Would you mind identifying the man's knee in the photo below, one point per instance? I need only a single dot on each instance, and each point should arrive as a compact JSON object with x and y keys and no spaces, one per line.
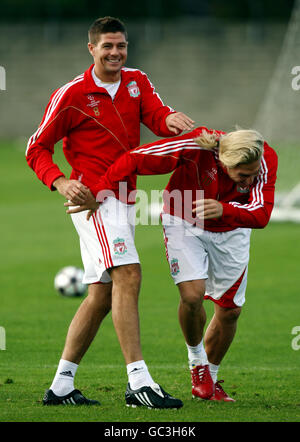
{"x":192,"y":293}
{"x":129,"y":275}
{"x":99,"y":295}
{"x":229,"y":315}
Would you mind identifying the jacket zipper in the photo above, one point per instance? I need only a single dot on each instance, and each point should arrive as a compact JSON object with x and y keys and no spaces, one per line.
{"x":121,"y":121}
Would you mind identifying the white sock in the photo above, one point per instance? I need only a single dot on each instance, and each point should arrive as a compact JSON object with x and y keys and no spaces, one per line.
{"x":63,"y":382}
{"x":138,"y":375}
{"x":196,"y":355}
{"x":214,"y":371}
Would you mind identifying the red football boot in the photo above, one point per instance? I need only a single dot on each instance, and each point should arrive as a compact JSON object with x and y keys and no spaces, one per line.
{"x":220,"y":394}
{"x":202,"y":383}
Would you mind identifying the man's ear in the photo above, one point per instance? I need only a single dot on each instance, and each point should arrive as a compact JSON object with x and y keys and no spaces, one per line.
{"x":91,"y":48}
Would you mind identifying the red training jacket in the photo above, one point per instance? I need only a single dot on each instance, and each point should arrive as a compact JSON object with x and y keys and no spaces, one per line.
{"x":200,"y":169}
{"x":95,"y":130}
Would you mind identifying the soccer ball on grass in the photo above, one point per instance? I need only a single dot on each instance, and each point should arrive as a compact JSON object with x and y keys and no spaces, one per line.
{"x":68,"y":281}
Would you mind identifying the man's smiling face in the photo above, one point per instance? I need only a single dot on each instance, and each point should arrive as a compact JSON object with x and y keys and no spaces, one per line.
{"x":245,"y":174}
{"x":110,"y":54}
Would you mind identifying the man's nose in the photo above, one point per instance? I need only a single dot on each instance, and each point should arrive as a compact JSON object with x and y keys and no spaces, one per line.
{"x":249,"y":180}
{"x":114,"y":50}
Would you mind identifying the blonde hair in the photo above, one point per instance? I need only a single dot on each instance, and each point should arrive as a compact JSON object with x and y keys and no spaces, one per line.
{"x":241,"y":146}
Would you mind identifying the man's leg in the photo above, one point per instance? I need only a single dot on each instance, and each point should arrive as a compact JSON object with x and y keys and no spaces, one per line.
{"x":141,"y":389}
{"x":121,"y":296}
{"x":81,"y":333}
{"x":192,"y":318}
{"x":220,"y":333}
{"x":125,"y":292}
{"x":191,"y":313}
{"x":218,"y":338}
{"x":86,"y":321}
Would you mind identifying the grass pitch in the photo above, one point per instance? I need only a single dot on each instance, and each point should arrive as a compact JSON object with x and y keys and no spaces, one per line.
{"x":261,"y":370}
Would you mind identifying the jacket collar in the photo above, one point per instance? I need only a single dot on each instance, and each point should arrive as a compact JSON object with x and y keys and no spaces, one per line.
{"x":90,"y":86}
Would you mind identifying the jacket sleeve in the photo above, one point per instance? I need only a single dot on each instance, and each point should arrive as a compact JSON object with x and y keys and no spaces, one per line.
{"x":257,"y":212}
{"x":153,"y":110}
{"x":54,"y":126}
{"x":157,"y":158}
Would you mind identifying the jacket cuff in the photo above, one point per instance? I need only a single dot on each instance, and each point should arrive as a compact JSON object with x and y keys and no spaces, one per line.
{"x":228,"y":212}
{"x":50,"y":177}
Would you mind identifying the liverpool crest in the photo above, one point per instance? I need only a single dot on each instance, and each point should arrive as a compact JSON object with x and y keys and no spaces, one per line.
{"x":133,"y":89}
{"x":119,"y":246}
{"x":242,"y":189}
{"x":174,"y":266}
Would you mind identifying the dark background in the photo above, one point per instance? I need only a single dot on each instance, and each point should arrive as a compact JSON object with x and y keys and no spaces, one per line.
{"x":264,"y":10}
{"x":223,"y":62}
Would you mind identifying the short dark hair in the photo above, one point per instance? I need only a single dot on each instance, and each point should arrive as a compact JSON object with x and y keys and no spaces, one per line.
{"x":103,"y":26}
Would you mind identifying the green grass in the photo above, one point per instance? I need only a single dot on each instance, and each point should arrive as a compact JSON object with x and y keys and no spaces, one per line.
{"x":261,"y":369}
{"x":288,"y":165}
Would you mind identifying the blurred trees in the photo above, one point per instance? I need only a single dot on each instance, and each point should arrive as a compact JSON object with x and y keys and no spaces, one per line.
{"x":20,"y":10}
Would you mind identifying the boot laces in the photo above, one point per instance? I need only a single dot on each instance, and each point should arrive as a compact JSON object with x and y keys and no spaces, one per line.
{"x":199,"y":374}
{"x":219,"y":387}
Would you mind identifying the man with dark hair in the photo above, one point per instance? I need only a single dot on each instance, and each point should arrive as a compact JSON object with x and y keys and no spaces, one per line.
{"x":105,"y":25}
{"x":98,"y":116}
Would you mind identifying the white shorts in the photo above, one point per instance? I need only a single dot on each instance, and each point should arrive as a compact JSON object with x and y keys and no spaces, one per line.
{"x":107,"y":239}
{"x":221,"y":258}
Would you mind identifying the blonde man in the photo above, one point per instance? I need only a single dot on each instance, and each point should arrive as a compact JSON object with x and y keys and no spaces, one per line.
{"x":226,"y":184}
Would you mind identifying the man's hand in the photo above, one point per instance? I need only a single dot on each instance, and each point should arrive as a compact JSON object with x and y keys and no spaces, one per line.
{"x":208,"y":209}
{"x":178,"y":121}
{"x":78,"y":195}
{"x":72,"y":190}
{"x":89,"y":204}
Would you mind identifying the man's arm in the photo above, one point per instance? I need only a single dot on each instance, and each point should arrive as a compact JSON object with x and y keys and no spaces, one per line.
{"x":157,"y":158}
{"x":40,"y":148}
{"x":54,"y":126}
{"x":160,"y":157}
